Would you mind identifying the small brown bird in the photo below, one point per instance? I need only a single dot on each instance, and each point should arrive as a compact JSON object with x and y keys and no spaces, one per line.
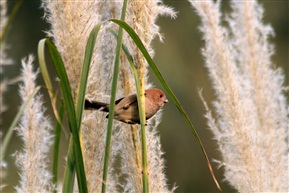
{"x":126,"y":108}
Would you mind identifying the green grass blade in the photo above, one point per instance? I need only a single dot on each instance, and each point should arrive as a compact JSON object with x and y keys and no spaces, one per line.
{"x":141,"y":113}
{"x":112,"y":101}
{"x":9,"y":133}
{"x":141,"y":104}
{"x":69,"y":173}
{"x":46,"y":77}
{"x":156,"y":71}
{"x":70,"y":169}
{"x":11,"y":17}
{"x":56,"y":147}
{"x":85,"y":70}
{"x":70,"y":111}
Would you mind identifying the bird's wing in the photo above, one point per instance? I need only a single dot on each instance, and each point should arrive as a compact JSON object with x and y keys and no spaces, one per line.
{"x":126,"y":102}
{"x":118,"y":100}
{"x":132,"y":100}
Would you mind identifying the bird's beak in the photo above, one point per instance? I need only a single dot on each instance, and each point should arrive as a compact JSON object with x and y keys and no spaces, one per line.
{"x":166,"y":101}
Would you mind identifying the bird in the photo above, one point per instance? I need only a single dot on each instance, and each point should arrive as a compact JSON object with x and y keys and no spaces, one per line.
{"x":126,"y":108}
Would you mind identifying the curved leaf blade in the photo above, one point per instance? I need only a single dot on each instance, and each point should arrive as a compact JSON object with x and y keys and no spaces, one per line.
{"x":70,"y":111}
{"x":9,"y":133}
{"x":158,"y":74}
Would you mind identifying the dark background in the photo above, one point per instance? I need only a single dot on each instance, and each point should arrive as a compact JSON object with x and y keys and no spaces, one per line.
{"x":180,"y":61}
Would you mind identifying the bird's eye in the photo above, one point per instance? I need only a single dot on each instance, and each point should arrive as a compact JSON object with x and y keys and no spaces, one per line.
{"x":161,"y":96}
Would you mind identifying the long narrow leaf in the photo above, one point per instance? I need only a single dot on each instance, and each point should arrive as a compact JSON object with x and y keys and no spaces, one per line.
{"x":11,"y":17}
{"x":137,"y":82}
{"x":70,"y":111}
{"x":85,"y":70}
{"x":68,"y":181}
{"x":46,"y":77}
{"x":69,"y":172}
{"x":156,"y":71}
{"x":3,"y":34}
{"x":9,"y":133}
{"x":112,"y":101}
{"x":56,"y":147}
{"x":142,"y":118}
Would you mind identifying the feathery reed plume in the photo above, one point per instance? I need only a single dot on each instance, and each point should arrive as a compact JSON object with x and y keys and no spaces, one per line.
{"x":4,"y":60}
{"x":70,"y":38}
{"x":3,"y":14}
{"x":34,"y":129}
{"x":252,"y":121}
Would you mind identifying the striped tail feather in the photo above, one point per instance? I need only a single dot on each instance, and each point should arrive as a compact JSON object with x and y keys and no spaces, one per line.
{"x":95,"y":105}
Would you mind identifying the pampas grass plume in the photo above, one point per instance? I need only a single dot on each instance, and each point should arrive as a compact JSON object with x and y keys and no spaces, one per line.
{"x":34,"y":130}
{"x":251,"y":121}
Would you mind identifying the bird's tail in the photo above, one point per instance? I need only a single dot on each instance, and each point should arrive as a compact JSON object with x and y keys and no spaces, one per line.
{"x":91,"y":105}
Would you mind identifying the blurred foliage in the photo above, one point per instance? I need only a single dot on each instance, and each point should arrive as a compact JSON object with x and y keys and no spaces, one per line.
{"x":180,"y":61}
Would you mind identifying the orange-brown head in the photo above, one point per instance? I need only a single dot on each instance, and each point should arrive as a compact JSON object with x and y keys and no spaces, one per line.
{"x":155,"y":99}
